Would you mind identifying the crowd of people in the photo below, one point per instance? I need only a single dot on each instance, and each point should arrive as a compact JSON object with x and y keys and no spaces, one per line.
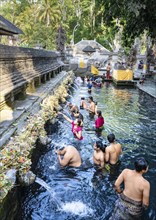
{"x":134,"y":197}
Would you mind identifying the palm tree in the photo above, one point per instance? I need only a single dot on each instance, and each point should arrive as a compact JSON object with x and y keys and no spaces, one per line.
{"x":48,"y":11}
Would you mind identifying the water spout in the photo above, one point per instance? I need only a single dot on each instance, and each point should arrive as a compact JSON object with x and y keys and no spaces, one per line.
{"x":76,"y":86}
{"x":27,"y":179}
{"x":70,"y":96}
{"x":73,"y":88}
{"x":50,"y":190}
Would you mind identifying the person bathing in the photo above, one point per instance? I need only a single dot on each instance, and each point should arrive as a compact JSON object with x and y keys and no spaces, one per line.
{"x":134,"y":198}
{"x":68,"y":156}
{"x":91,"y":108}
{"x":99,"y":154}
{"x":113,"y":151}
{"x":99,"y":121}
{"x":76,"y":126}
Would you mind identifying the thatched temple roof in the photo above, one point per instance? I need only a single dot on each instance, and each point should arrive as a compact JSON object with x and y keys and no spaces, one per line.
{"x":7,"y":28}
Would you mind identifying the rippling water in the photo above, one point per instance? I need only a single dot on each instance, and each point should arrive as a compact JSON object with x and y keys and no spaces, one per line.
{"x":85,"y":193}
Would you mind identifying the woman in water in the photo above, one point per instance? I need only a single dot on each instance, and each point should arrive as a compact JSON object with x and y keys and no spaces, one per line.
{"x":99,"y":121}
{"x":76,"y":126}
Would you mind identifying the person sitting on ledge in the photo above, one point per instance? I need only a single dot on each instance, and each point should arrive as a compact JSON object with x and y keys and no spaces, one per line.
{"x":113,"y":151}
{"x":76,"y":126}
{"x":68,"y":156}
{"x":135,"y":196}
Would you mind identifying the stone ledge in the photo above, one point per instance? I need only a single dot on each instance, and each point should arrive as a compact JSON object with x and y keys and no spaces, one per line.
{"x":28,"y":107}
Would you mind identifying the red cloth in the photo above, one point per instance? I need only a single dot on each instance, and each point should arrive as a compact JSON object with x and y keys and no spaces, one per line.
{"x":77,"y":130}
{"x":99,"y":122}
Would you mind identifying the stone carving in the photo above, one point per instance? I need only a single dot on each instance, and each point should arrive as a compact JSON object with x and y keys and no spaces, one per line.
{"x":27,"y":179}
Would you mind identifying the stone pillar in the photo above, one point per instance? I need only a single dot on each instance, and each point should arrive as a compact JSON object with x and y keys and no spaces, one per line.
{"x":8,"y":102}
{"x":31,"y":87}
{"x":54,"y":73}
{"x":37,"y":81}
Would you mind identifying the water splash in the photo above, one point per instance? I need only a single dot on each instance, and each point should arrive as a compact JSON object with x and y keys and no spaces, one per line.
{"x":77,"y":208}
{"x":74,"y":207}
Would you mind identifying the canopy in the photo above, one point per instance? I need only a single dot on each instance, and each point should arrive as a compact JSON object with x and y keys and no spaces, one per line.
{"x":7,"y":28}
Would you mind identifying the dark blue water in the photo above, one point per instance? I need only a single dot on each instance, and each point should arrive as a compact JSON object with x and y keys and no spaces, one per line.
{"x":85,"y":193}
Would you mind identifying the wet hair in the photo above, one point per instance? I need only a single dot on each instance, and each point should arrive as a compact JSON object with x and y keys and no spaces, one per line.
{"x":61,"y":148}
{"x":70,"y":104}
{"x":140,"y":164}
{"x":99,"y":113}
{"x":91,"y":98}
{"x":79,"y":122}
{"x":101,"y":146}
{"x":111,"y":138}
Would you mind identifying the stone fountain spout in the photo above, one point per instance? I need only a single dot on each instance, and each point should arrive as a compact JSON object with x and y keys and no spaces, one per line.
{"x":27,"y":179}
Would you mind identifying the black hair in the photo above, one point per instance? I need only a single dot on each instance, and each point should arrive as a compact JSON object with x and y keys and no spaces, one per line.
{"x":79,"y":122}
{"x":101,"y":146}
{"x":91,"y":98}
{"x":82,"y":98}
{"x":99,"y":113}
{"x":111,"y":138}
{"x":140,"y":164}
{"x":61,"y":148}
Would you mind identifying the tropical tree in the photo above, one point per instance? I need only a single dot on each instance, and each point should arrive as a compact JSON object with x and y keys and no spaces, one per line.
{"x":136,"y":16}
{"x":48,"y":11}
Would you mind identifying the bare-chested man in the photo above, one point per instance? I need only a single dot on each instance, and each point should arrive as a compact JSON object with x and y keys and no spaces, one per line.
{"x":91,"y":107}
{"x":99,"y":154}
{"x":135,"y":196}
{"x":69,"y":156}
{"x":113,"y":151}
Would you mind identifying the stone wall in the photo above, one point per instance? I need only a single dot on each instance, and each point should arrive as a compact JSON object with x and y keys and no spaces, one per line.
{"x":22,"y":70}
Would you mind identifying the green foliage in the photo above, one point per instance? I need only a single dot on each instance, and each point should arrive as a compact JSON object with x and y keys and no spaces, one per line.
{"x":135,"y":17}
{"x":98,"y":19}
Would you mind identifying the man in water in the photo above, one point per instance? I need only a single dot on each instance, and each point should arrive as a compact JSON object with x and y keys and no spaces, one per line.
{"x":69,"y":156}
{"x":91,"y":107}
{"x":99,"y":154}
{"x":135,"y":196}
{"x":113,"y":151}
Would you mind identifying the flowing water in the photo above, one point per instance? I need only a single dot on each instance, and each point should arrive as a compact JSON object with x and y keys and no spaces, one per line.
{"x":85,"y":193}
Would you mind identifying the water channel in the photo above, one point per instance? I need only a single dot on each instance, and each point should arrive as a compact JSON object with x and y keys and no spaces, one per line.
{"x":85,"y":193}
